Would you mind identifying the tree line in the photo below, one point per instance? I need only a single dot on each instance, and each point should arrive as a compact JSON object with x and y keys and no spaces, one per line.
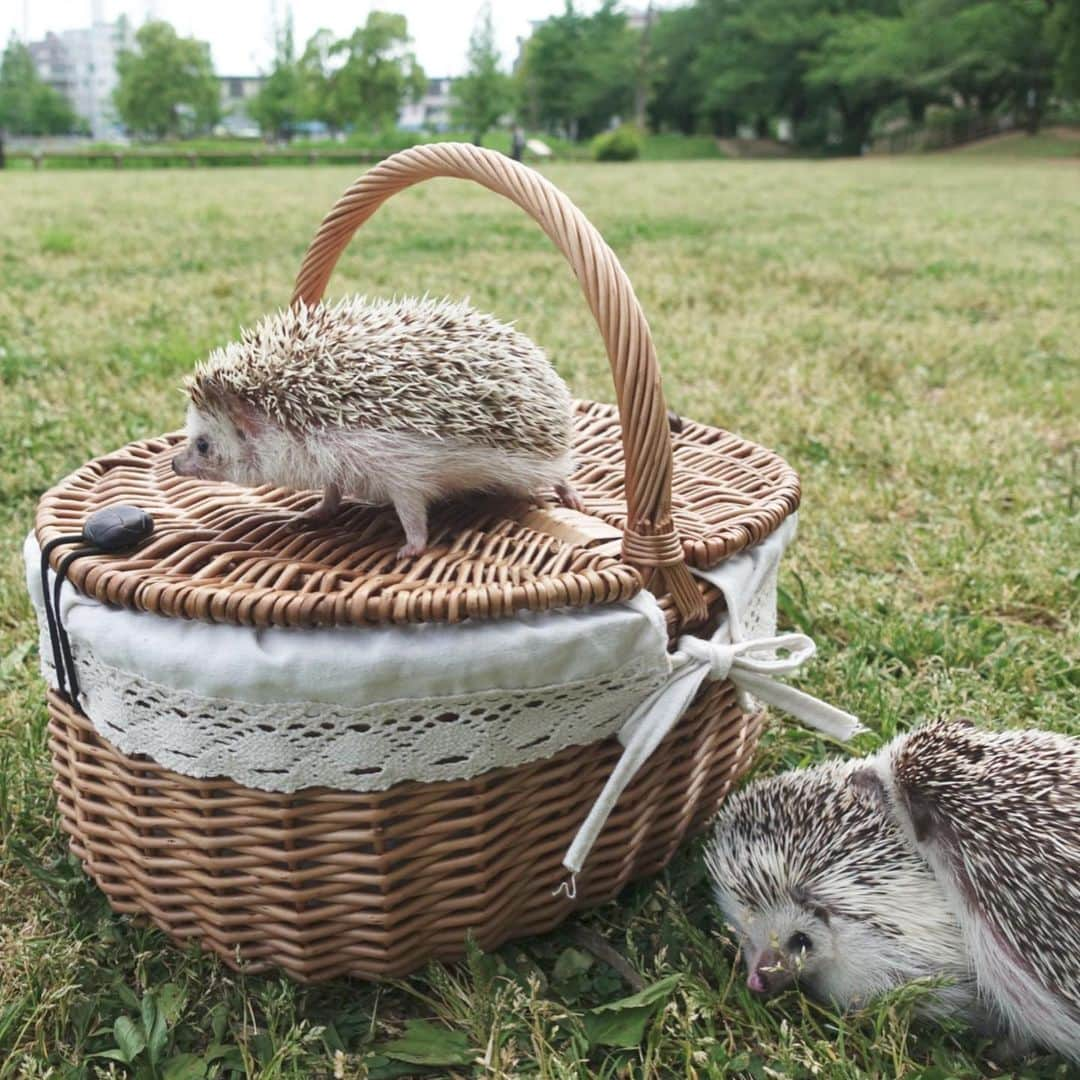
{"x":829,"y":69}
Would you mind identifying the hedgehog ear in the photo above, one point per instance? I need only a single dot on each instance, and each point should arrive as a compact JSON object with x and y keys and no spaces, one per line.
{"x":247,"y":419}
{"x":869,"y":787}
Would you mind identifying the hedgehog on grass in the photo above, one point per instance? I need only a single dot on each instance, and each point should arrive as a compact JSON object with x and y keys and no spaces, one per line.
{"x":400,"y":402}
{"x":822,"y":888}
{"x":997,"y":818}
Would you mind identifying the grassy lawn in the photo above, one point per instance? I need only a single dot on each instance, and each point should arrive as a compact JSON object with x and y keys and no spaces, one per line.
{"x":906,"y":333}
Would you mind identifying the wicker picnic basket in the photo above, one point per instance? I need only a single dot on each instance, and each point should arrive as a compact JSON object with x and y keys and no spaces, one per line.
{"x":323,"y":881}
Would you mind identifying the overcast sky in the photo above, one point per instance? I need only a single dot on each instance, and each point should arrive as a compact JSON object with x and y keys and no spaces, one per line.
{"x":240,"y":31}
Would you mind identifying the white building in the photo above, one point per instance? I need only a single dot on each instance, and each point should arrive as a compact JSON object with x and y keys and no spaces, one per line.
{"x":432,"y":111}
{"x":81,"y":64}
{"x":236,"y":93}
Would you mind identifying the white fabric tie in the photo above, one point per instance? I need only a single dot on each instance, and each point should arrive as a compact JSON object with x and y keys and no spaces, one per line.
{"x":756,"y":674}
{"x":751,"y":664}
{"x":722,"y":657}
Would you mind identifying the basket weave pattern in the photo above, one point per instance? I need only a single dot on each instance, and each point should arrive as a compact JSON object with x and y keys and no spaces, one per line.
{"x":326,"y":883}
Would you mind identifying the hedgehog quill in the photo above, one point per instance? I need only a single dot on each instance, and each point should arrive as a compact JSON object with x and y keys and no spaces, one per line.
{"x":996,"y":815}
{"x":823,"y":889}
{"x":389,"y":402}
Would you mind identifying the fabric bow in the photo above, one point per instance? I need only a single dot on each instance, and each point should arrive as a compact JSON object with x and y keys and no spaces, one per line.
{"x":753,"y":666}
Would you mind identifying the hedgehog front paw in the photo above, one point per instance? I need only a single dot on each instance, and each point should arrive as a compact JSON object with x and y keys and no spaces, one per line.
{"x":411,"y":551}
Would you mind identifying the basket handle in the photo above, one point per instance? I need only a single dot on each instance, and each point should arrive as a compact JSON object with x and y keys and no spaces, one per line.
{"x":650,"y":541}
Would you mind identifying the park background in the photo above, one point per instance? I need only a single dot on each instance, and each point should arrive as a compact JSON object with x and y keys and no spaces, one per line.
{"x":898,"y":321}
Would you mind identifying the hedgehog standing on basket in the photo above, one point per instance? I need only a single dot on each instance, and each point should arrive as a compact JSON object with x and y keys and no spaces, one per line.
{"x":400,"y":402}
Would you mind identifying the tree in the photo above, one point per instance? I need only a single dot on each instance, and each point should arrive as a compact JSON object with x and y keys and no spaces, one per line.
{"x":166,"y":84}
{"x":1064,"y":35}
{"x":279,"y":103}
{"x":378,"y":72}
{"x":29,"y":106}
{"x":579,"y":71}
{"x":483,"y":94}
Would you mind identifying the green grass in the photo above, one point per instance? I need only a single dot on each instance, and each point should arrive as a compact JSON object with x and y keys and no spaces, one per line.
{"x":905,"y":332}
{"x":673,"y":147}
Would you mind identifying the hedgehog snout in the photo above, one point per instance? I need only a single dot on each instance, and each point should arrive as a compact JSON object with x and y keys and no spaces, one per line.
{"x":183,"y":463}
{"x":768,"y":973}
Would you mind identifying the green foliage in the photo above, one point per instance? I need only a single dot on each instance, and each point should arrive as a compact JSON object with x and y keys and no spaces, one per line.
{"x":166,"y":83}
{"x":279,"y":102}
{"x":676,"y":83}
{"x":426,"y":1044}
{"x":147,"y":1044}
{"x":484,"y":93}
{"x":29,"y":106}
{"x":924,"y":310}
{"x":1063,"y":33}
{"x":377,"y":72}
{"x":832,"y":68}
{"x":579,"y":70}
{"x":622,"y":144}
{"x":622,"y":1022}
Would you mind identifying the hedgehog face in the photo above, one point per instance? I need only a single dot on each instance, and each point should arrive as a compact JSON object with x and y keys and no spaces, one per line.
{"x":215,"y":449}
{"x":782,"y":944}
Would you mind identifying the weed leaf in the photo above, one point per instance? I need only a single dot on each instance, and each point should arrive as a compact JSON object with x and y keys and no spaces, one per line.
{"x":129,"y":1037}
{"x":622,"y":1023}
{"x":184,"y":1067}
{"x":571,"y":962}
{"x":428,"y":1044}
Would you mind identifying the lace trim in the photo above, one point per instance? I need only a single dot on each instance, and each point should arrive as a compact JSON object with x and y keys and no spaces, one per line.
{"x":288,"y":746}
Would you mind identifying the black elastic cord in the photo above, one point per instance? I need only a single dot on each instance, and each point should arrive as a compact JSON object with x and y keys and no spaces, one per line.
{"x":65,"y":643}
{"x":52,"y":615}
{"x":108,"y":531}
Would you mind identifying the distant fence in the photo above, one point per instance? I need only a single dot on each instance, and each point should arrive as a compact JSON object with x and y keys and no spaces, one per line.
{"x":942,"y":136}
{"x":179,"y":158}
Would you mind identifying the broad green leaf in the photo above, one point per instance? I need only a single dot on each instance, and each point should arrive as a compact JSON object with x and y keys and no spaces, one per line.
{"x":148,"y":1011}
{"x":262,"y":1046}
{"x":571,"y":962}
{"x":219,"y":1020}
{"x":622,"y":1023}
{"x":228,"y":1056}
{"x":331,"y":1038}
{"x":382,"y":1068}
{"x":157,"y":1037}
{"x":184,"y":1067}
{"x":129,"y":1037}
{"x":112,"y":1055}
{"x":171,"y":1000}
{"x":428,"y":1044}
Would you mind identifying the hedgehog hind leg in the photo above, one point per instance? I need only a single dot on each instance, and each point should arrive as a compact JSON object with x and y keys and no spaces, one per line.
{"x":568,"y":496}
{"x":325,"y":511}
{"x":412,"y":512}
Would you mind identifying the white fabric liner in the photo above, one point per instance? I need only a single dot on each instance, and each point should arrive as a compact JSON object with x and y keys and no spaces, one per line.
{"x":361,"y":709}
{"x":355,"y":708}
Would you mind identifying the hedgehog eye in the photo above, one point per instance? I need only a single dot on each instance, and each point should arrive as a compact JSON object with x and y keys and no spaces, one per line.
{"x":202,"y":444}
{"x":799,"y":942}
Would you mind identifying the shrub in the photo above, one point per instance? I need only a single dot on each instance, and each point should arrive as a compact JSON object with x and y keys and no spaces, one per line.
{"x":622,"y":144}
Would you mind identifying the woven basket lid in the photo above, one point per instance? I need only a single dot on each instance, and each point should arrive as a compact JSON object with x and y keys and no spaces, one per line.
{"x":656,"y":501}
